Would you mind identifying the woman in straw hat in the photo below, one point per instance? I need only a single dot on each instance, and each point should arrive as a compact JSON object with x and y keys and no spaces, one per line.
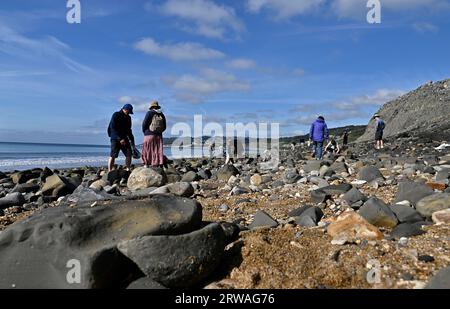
{"x":153,"y":126}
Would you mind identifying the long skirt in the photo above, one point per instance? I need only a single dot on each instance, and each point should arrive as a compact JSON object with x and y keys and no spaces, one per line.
{"x":152,"y":150}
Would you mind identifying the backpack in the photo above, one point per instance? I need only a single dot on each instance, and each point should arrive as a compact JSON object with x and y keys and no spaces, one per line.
{"x":158,"y":123}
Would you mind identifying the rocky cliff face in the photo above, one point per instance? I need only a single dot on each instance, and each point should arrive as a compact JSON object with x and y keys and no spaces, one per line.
{"x":422,"y":112}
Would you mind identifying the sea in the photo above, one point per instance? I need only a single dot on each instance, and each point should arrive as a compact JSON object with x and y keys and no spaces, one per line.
{"x":23,"y":156}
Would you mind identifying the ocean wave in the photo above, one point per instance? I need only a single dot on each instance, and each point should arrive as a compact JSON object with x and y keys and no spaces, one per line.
{"x":56,"y":162}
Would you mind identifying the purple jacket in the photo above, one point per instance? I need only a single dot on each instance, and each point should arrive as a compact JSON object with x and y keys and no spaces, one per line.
{"x":319,"y":131}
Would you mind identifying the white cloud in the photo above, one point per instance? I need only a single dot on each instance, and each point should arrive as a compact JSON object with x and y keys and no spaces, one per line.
{"x":203,"y":17}
{"x":241,"y":64}
{"x":353,"y":9}
{"x":356,"y":9}
{"x":351,"y":108}
{"x":425,"y":27}
{"x":18,"y":45}
{"x":186,"y":51}
{"x":378,"y":98}
{"x":197,"y":89}
{"x":284,"y":8}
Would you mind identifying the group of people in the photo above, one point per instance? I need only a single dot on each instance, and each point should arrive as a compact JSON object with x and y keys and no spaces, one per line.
{"x":154,"y":124}
{"x":122,"y":138}
{"x":319,"y":136}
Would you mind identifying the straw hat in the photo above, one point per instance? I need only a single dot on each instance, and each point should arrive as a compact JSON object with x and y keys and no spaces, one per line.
{"x":155,"y":105}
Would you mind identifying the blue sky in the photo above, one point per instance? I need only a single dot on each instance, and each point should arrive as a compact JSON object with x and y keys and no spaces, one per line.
{"x":283,"y":61}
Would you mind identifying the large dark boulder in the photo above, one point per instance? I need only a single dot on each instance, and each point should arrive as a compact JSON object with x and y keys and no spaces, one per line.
{"x":12,"y":199}
{"x":38,"y":252}
{"x":376,"y":212}
{"x":263,"y":219}
{"x":179,"y":261}
{"x":354,"y":195}
{"x":226,"y":171}
{"x":310,"y":217}
{"x":369,"y":173}
{"x":406,"y":214}
{"x":337,"y":189}
{"x":412,"y":192}
{"x":441,"y":280}
{"x":26,"y":188}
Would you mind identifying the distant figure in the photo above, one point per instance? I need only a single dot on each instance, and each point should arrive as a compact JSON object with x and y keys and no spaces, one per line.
{"x":119,"y":130}
{"x":380,"y":125}
{"x":153,"y":126}
{"x":333,"y":146}
{"x":345,"y":138}
{"x":234,"y":150}
{"x":293,"y":146}
{"x":318,"y":135}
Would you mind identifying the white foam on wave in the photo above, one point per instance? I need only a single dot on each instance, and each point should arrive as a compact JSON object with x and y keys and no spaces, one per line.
{"x":56,"y":162}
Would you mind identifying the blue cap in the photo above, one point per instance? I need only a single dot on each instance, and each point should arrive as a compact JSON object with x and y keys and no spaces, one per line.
{"x":129,"y":108}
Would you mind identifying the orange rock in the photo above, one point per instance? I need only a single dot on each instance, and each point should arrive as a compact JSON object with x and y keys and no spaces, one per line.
{"x":437,"y":186}
{"x":350,"y":226}
{"x":441,"y":217}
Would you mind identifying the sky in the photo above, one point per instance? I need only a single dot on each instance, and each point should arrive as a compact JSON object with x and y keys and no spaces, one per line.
{"x":248,"y":61}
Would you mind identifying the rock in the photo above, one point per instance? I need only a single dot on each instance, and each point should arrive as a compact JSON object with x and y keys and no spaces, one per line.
{"x":406,"y":230}
{"x":336,"y":189}
{"x":145,"y":283}
{"x":298,"y":211}
{"x":184,"y":189}
{"x":312,"y":166}
{"x":350,"y":226}
{"x":339,"y":167}
{"x":143,"y":177}
{"x":354,"y":195}
{"x":189,"y":177}
{"x":441,"y":280}
{"x":3,"y":175}
{"x":369,"y":173}
{"x":425,"y":258}
{"x":443,"y":175}
{"x":319,"y":196}
{"x":441,"y":217}
{"x":310,"y":217}
{"x":406,"y":214}
{"x":160,"y":190}
{"x":239,"y":190}
{"x":56,"y":185}
{"x":323,"y":170}
{"x":12,"y":199}
{"x":82,"y":194}
{"x":358,"y":183}
{"x":226,"y":171}
{"x":437,"y":186}
{"x":256,"y":180}
{"x":24,"y":176}
{"x":179,"y":261}
{"x":115,"y":176}
{"x":262,"y":219}
{"x":26,"y":188}
{"x":412,"y":191}
{"x":432,"y":203}
{"x":204,"y":173}
{"x":223,"y":208}
{"x":42,"y":245}
{"x":98,"y":185}
{"x":376,"y":212}
{"x":291,"y":176}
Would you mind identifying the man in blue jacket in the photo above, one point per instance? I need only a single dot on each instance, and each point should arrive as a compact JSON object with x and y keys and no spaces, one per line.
{"x":119,"y":130}
{"x":318,"y":134}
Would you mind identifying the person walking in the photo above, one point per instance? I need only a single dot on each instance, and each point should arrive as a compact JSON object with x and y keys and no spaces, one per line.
{"x":121,"y":135}
{"x":345,"y":138}
{"x":318,"y":134}
{"x":153,"y":126}
{"x":379,"y":130}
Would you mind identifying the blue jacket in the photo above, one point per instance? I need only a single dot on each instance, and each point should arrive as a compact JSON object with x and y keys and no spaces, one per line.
{"x":120,"y":127}
{"x":318,"y":131}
